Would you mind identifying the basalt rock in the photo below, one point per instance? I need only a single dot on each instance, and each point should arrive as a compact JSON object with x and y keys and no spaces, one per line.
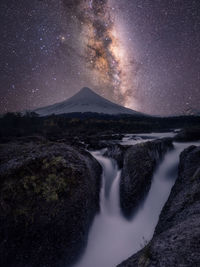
{"x":188,"y":135}
{"x":49,"y":194}
{"x":139,"y":164}
{"x":97,"y":142}
{"x":116,"y":152}
{"x":176,"y":238}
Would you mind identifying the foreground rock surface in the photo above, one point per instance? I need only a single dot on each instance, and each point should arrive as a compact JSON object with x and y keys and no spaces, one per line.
{"x":176,"y":238}
{"x":49,"y":194}
{"x":139,"y":164}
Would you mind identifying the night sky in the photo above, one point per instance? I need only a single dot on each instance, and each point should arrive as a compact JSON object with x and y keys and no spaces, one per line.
{"x":144,"y":54}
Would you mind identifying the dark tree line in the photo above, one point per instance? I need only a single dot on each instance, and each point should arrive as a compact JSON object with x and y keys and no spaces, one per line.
{"x":18,"y":125}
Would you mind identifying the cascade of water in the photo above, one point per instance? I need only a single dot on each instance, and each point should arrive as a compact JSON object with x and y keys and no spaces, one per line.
{"x":113,"y":238}
{"x":110,"y":172}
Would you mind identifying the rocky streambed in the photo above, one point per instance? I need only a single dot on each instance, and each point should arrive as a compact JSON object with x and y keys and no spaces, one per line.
{"x":49,"y":195}
{"x":176,"y":238}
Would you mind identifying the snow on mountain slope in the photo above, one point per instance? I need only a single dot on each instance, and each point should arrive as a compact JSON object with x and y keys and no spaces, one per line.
{"x":85,"y":101}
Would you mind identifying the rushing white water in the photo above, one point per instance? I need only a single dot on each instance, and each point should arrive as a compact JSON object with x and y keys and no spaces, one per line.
{"x":113,"y":238}
{"x":132,"y":139}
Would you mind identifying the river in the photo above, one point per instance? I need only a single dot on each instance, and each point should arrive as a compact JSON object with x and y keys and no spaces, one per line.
{"x":112,"y":237}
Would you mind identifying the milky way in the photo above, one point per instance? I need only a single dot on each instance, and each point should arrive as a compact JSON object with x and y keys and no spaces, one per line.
{"x":144,"y":54}
{"x":105,"y":56}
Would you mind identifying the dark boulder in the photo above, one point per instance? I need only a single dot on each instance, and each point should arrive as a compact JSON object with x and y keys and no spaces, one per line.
{"x":49,"y":194}
{"x":176,"y":238}
{"x":139,"y":164}
{"x":188,"y":135}
{"x":98,"y":141}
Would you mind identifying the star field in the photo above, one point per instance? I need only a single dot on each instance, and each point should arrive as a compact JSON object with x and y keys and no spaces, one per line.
{"x":142,"y":54}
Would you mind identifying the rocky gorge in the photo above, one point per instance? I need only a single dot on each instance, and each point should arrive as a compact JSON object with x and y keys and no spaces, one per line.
{"x":50,"y":194}
{"x":176,"y":238}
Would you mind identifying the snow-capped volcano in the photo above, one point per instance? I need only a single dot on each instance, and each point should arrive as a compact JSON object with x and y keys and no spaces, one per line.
{"x":85,"y":101}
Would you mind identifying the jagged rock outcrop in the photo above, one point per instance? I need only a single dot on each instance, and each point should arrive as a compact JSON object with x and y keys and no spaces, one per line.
{"x":49,"y":194}
{"x":116,"y":152}
{"x":176,"y":238}
{"x":139,"y":164}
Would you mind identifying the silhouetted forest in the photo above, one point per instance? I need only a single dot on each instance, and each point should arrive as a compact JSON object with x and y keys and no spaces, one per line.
{"x":76,"y":124}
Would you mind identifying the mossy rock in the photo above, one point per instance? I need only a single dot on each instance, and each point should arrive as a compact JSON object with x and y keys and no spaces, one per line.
{"x":48,"y":198}
{"x":44,"y":180}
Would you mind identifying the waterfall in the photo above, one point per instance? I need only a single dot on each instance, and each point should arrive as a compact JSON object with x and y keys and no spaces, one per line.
{"x":113,"y":238}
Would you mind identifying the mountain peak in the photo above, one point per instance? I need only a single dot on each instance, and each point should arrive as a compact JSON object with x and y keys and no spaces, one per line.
{"x":86,"y":100}
{"x":85,"y":90}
